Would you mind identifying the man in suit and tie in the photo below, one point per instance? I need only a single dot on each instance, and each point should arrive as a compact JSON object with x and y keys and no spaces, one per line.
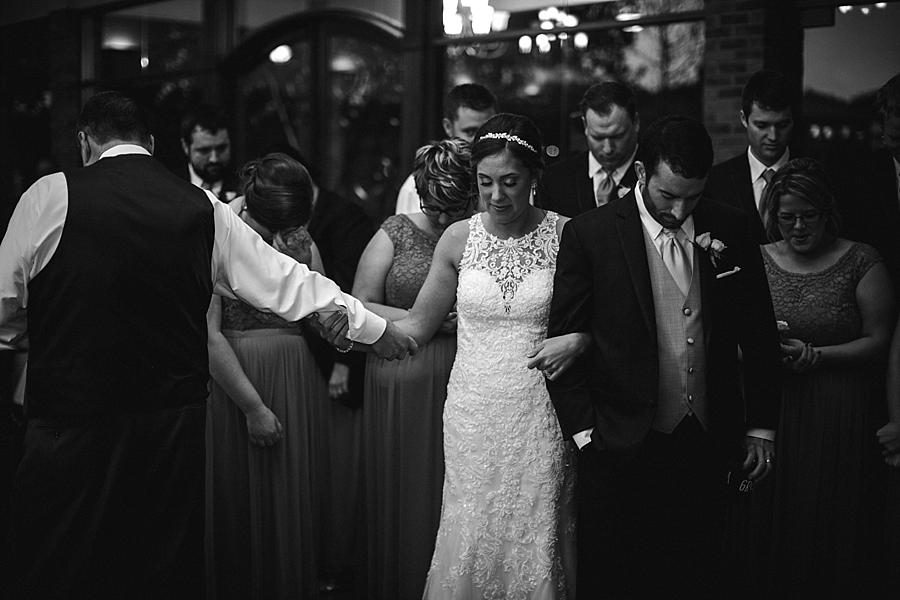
{"x":768,"y":118}
{"x":109,"y":270}
{"x":207,"y":145}
{"x":605,"y":171}
{"x":668,"y":285}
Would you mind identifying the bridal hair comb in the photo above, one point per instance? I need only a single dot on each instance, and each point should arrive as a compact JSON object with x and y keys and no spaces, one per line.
{"x":509,"y":138}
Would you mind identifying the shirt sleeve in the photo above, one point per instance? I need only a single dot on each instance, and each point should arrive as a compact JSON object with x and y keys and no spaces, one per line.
{"x":31,"y":239}
{"x":407,"y":198}
{"x":245,"y":267}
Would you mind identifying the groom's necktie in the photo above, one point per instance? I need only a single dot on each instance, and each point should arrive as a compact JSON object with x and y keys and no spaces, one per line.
{"x":676,"y":260}
{"x":604,"y":188}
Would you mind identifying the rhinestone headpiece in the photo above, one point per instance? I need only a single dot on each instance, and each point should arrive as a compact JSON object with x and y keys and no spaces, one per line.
{"x":509,"y":138}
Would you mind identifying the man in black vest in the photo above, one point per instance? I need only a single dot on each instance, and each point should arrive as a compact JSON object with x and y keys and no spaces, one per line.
{"x":109,"y":269}
{"x":604,"y":172}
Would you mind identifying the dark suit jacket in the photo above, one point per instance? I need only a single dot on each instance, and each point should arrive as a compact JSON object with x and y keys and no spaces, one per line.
{"x":341,"y":230}
{"x":602,"y":286}
{"x":565,"y":187}
{"x":870,"y":210}
{"x":729,"y":183}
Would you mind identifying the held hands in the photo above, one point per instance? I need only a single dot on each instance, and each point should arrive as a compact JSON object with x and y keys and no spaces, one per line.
{"x":889,"y":438}
{"x":394,"y":344}
{"x":555,"y":355}
{"x":333,"y":329}
{"x":448,"y":325}
{"x":760,"y":456}
{"x":798,"y":356}
{"x":263,"y":426}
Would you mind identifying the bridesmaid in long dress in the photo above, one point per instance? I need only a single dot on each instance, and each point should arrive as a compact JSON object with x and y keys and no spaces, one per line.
{"x":403,"y":400}
{"x":262,"y":415}
{"x":836,"y":298}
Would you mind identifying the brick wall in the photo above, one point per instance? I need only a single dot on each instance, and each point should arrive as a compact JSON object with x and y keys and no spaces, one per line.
{"x":735,"y":49}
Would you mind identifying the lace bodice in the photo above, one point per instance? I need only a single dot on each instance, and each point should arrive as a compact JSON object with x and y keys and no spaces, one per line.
{"x":237,"y":316}
{"x":506,"y":460}
{"x":413,"y":251}
{"x":821,"y":307}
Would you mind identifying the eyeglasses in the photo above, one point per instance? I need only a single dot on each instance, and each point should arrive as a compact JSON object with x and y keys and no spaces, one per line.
{"x":811,"y":217}
{"x":452,"y":213}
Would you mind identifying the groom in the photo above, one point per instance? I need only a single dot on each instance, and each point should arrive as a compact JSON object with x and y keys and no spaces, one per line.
{"x":669,"y":286}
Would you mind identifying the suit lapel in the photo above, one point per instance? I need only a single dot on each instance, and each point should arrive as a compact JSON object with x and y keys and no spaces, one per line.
{"x":585,"y":189}
{"x":631,"y":236}
{"x":704,"y":267}
{"x":745,"y":186}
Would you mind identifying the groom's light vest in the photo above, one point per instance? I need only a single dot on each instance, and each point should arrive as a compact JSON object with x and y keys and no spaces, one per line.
{"x":681,"y":347}
{"x":117,"y":318}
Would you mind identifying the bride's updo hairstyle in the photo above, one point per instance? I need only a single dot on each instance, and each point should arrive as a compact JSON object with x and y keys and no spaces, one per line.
{"x":515,"y":133}
{"x":278,"y":192}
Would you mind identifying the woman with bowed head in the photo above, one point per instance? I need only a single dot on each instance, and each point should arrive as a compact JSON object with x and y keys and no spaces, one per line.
{"x":261,"y":417}
{"x":836,"y":303}
{"x":403,"y":400}
{"x":506,"y":528}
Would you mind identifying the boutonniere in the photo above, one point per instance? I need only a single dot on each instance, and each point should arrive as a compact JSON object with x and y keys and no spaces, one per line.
{"x":715,"y":249}
{"x":712,"y":246}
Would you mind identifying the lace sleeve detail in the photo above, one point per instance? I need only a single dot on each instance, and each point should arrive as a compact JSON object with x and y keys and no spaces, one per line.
{"x":864,"y":258}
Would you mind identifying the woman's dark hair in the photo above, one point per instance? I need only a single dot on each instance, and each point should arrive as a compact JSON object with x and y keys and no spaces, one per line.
{"x":443,"y":173}
{"x":803,"y":178}
{"x":278,"y":191}
{"x":515,"y":133}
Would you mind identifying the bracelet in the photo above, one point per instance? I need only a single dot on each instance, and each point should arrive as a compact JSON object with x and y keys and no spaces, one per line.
{"x":345,"y":350}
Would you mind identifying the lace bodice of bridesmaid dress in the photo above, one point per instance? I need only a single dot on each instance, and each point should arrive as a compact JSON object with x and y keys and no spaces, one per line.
{"x":238,"y":316}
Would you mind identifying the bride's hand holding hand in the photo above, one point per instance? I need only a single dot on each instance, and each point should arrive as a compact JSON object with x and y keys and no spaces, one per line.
{"x":555,"y":355}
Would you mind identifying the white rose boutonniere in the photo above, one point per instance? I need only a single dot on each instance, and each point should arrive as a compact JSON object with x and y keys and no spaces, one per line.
{"x":715,"y":249}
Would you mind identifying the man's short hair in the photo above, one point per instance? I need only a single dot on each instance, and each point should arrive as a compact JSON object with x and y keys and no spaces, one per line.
{"x":769,"y":89}
{"x":601,"y":97}
{"x":683,"y":143}
{"x":471,"y":95}
{"x":114,"y":116}
{"x":207,"y":118}
{"x":887,"y":99}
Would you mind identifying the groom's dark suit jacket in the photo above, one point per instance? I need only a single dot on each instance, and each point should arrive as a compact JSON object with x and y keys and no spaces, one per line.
{"x":565,"y":187}
{"x":602,"y":286}
{"x":729,"y":183}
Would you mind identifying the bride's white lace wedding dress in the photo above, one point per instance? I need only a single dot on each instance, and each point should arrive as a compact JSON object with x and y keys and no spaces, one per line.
{"x":507,"y":521}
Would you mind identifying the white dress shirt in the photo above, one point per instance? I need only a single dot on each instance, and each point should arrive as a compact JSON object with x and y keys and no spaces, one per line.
{"x":654,"y":230}
{"x":243,"y":265}
{"x":408,"y":198}
{"x":756,"y":173}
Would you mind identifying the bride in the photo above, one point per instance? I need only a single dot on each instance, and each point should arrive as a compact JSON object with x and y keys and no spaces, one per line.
{"x":507,"y":520}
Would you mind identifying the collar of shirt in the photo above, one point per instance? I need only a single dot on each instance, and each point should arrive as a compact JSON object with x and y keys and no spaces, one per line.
{"x":896,"y":167}
{"x":655,"y":230}
{"x":757,"y":168}
{"x":121,"y":149}
{"x":594,"y":167}
{"x":196,"y":180}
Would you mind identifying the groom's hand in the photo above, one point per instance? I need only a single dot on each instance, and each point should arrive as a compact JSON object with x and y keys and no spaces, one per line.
{"x":760,"y":457}
{"x":394,"y":344}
